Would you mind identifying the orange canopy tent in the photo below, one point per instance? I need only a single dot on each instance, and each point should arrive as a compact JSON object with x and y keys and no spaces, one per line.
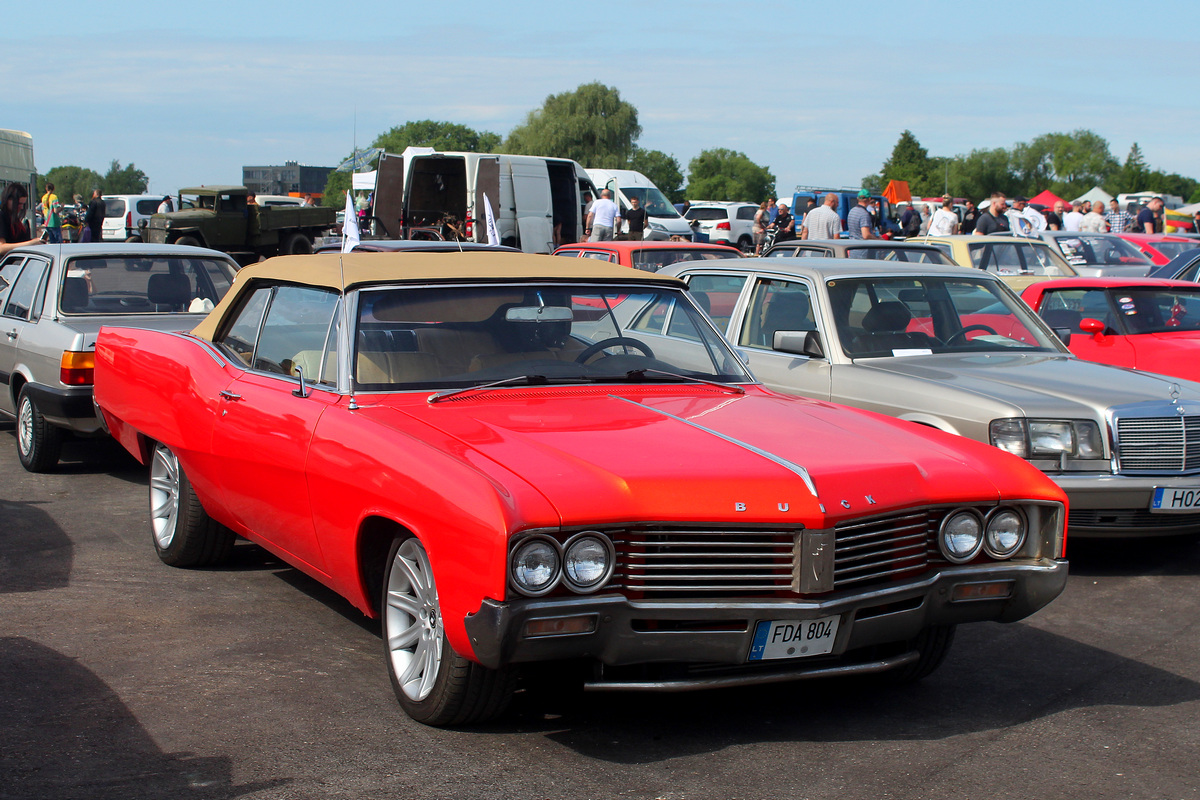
{"x":897,"y":191}
{"x":1048,"y":199}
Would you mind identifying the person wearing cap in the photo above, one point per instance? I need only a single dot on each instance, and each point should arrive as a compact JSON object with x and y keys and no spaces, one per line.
{"x":1093,"y":220}
{"x":858,"y":221}
{"x":1148,"y":216}
{"x":944,"y":221}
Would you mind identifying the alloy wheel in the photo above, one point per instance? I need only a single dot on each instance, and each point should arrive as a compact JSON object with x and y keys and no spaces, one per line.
{"x":414,"y":623}
{"x":164,"y":496}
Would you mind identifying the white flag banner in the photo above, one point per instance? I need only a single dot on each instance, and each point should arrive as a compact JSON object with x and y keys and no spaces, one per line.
{"x":493,"y":236}
{"x":350,"y":236}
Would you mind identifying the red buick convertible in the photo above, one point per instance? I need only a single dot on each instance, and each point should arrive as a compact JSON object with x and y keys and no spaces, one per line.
{"x":518,"y":460}
{"x":1148,"y":324}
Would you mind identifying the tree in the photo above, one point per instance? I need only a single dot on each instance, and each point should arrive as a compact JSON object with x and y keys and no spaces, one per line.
{"x":662,"y":169}
{"x":591,"y":125}
{"x":728,"y":175}
{"x":336,"y":186}
{"x":982,"y":172}
{"x":123,"y":180}
{"x":910,"y":162}
{"x":1133,"y":174}
{"x":69,"y":181}
{"x":438,"y":135}
{"x":1081,"y":160}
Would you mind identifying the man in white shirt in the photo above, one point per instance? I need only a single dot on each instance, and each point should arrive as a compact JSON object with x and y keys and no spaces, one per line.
{"x":944,"y":221}
{"x":603,"y":218}
{"x":823,"y":221}
{"x":1073,"y":218}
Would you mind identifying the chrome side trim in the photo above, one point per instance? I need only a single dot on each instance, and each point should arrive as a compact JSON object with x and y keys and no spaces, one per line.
{"x":788,"y":465}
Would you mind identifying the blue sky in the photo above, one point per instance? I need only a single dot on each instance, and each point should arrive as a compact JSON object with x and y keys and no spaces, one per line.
{"x":819,"y":93}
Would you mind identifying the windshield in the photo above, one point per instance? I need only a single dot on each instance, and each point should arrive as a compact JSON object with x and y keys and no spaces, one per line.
{"x":1124,"y":310}
{"x":450,"y":337}
{"x":196,"y":201}
{"x":654,"y":259}
{"x":1018,"y":258}
{"x":1172,"y":249}
{"x":921,"y":315}
{"x":651,"y":199}
{"x":153,"y":284}
{"x":1100,"y":250}
{"x":707,"y":214}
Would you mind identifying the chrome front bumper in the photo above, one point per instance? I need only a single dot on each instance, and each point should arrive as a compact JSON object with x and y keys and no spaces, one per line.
{"x":628,"y":632}
{"x":1104,"y":505}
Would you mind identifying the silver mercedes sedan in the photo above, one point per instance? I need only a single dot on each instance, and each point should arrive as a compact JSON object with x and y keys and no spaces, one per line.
{"x":954,"y":349}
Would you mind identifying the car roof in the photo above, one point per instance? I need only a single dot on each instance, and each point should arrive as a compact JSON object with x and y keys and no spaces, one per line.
{"x":417,"y":246}
{"x":335,"y":270}
{"x":846,"y":244}
{"x":825,"y":268}
{"x":971,"y":237}
{"x":617,"y":246}
{"x":138,"y":249}
{"x":1115,"y":283}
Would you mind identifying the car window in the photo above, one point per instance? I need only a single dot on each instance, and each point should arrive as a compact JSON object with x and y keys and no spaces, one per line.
{"x":1066,"y":308}
{"x":598,"y":255}
{"x":1036,"y":260}
{"x":9,"y":270}
{"x":776,"y":305}
{"x":153,"y":284}
{"x":1095,"y":250}
{"x":295,"y":331}
{"x":717,"y":295}
{"x":707,"y":214}
{"x":148,"y":206}
{"x":1190,"y":273}
{"x":25,"y":289}
{"x":747,"y":212}
{"x":812,"y":252}
{"x":654,"y":259}
{"x":243,"y":333}
{"x":114,"y":207}
{"x":1172,"y":249}
{"x":905,"y":254}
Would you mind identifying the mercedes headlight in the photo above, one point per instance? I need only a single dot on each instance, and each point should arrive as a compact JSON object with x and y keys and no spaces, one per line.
{"x":961,"y":536}
{"x":535,"y":566}
{"x":1047,"y":438}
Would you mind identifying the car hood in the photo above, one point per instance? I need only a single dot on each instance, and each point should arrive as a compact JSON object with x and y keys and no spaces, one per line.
{"x":1039,"y":385}
{"x":1174,"y":353}
{"x":680,"y":453}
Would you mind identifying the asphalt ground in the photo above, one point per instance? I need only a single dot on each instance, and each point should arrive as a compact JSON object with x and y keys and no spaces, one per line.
{"x":121,"y":677}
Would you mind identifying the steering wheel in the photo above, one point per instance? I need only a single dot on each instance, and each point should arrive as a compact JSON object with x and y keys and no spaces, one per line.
{"x":963,"y":331}
{"x":604,"y":344}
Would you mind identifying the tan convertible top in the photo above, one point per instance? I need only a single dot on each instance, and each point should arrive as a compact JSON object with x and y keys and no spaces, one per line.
{"x":326,"y":269}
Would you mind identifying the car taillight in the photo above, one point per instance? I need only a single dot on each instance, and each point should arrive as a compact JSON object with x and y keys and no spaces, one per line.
{"x":723,"y":226}
{"x":78,"y":369}
{"x":470,"y":227}
{"x":128,"y":220}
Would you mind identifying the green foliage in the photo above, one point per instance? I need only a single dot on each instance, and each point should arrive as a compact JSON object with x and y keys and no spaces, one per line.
{"x":69,"y":181}
{"x":591,"y":125}
{"x":662,"y":169}
{"x":728,"y":175}
{"x":910,"y":162}
{"x":982,"y":172}
{"x":336,"y":186}
{"x":123,"y":180}
{"x":438,"y":135}
{"x":1079,"y":161}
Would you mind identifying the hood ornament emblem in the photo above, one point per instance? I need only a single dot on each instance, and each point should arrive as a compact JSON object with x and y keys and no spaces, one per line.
{"x":1175,"y":389}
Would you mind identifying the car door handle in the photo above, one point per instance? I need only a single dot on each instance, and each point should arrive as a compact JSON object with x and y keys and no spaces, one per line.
{"x":11,"y":334}
{"x":228,"y":395}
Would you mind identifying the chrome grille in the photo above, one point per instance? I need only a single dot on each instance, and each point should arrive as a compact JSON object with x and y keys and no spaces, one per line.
{"x":1158,"y":444}
{"x":691,"y":561}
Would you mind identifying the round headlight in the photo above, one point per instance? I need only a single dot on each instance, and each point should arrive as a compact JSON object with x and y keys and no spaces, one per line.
{"x":1005,"y":533}
{"x":961,"y":536}
{"x":587,"y":562}
{"x":535,"y":566}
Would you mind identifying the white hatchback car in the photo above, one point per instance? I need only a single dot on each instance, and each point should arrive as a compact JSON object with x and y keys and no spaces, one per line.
{"x":725,"y":223}
{"x":122,"y":212}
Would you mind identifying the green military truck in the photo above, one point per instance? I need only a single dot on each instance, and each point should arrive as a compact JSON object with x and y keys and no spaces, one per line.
{"x":220,"y":218}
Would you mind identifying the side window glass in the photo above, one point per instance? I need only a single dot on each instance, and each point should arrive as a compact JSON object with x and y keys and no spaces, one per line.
{"x":328,"y":376}
{"x":20,"y":297}
{"x":978,"y":253}
{"x":776,"y":306}
{"x":1005,"y":259}
{"x":244,"y":332}
{"x":295,"y":331}
{"x":597,"y":255}
{"x":654,"y":316}
{"x":9,"y":271}
{"x":717,"y":295}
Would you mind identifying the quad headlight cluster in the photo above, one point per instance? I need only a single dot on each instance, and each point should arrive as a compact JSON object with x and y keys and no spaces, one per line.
{"x":583,"y":563}
{"x":1047,"y":438}
{"x":966,"y":532}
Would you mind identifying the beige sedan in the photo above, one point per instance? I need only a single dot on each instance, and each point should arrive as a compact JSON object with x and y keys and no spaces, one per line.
{"x":1017,"y":260}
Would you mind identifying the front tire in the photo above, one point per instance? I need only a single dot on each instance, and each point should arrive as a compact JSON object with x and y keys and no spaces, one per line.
{"x":434,"y":684}
{"x":39,"y":443}
{"x":184,"y":534}
{"x":746,"y":245}
{"x":189,"y":241}
{"x":933,"y":643}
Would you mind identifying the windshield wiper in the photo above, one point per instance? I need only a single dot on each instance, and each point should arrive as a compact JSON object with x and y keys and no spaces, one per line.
{"x":528,"y":380}
{"x":642,"y":373}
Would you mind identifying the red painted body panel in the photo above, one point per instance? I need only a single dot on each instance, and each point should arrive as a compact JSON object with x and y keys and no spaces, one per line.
{"x":300,"y":475}
{"x":622,"y":251}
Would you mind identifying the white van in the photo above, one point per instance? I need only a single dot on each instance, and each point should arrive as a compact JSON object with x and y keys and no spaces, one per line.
{"x":122,"y":212}
{"x":537,"y":202}
{"x":662,"y":220}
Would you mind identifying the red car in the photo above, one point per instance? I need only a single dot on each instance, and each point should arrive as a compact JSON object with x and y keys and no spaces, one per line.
{"x":649,"y":256}
{"x":1141,"y":323}
{"x":1160,"y":248}
{"x":509,"y":471}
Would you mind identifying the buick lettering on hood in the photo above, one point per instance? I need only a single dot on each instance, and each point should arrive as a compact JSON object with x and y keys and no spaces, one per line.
{"x":518,"y":462}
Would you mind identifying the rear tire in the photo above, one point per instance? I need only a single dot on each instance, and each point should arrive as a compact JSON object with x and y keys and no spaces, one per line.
{"x":133,"y":239}
{"x":746,"y":245}
{"x":189,"y":241}
{"x":184,"y":534}
{"x":297,"y":245}
{"x":434,"y":684}
{"x":39,"y":443}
